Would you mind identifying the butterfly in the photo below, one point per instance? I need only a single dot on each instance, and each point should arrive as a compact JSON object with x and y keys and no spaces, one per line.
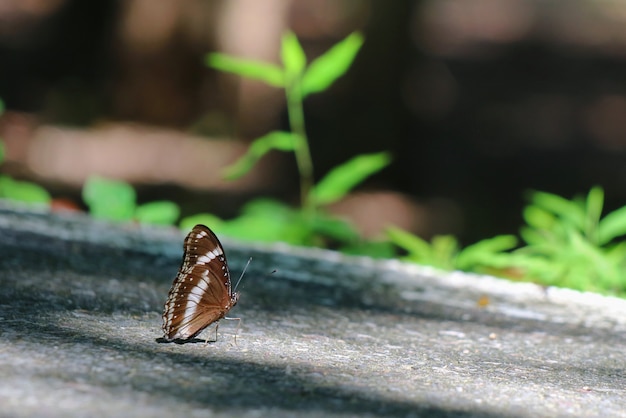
{"x":201,"y":293}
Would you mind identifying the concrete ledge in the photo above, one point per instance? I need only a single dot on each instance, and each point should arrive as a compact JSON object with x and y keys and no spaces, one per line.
{"x":327,"y":335}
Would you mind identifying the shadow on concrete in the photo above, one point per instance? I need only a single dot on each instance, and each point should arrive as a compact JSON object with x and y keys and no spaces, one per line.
{"x":46,"y":279}
{"x":233,"y":385}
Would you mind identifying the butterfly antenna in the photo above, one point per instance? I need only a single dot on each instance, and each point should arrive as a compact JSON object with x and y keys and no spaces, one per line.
{"x":242,"y":273}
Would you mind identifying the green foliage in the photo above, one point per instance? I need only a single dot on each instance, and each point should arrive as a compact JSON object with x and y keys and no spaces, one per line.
{"x":487,"y":254}
{"x":23,"y":191}
{"x":278,"y":140}
{"x":445,"y":252}
{"x":374,"y":249}
{"x":440,"y":253}
{"x":268,"y":73}
{"x":293,"y":57}
{"x":320,"y":74}
{"x":340,"y":180}
{"x":612,"y":226}
{"x":298,"y":81}
{"x":161,"y":212}
{"x":187,"y":223}
{"x":324,"y":70}
{"x":109,"y":199}
{"x":569,"y":244}
{"x":117,"y":201}
{"x":268,"y":220}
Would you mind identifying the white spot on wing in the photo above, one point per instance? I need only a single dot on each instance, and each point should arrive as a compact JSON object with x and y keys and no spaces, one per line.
{"x":194,"y":298}
{"x":206,"y":258}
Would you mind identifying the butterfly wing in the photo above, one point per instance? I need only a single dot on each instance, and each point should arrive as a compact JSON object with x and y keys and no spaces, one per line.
{"x":201,"y":292}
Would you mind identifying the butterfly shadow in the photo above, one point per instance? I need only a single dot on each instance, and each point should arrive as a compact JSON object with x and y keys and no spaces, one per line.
{"x":179,"y":341}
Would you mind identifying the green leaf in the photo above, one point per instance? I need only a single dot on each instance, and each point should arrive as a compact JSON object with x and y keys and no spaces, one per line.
{"x":109,"y":199}
{"x":23,"y":191}
{"x":486,"y":252}
{"x":585,"y":256}
{"x":216,"y":224}
{"x":580,"y":247}
{"x":292,"y":54}
{"x":612,"y":226}
{"x":267,"y":220}
{"x":532,"y":236}
{"x":2,"y":107}
{"x":162,"y":212}
{"x":538,"y":218}
{"x":257,"y":70}
{"x":439,"y":253}
{"x":267,"y":207}
{"x":537,"y":268}
{"x":595,"y":202}
{"x":252,"y":228}
{"x":335,"y":228}
{"x":570,"y":211}
{"x":279,"y":140}
{"x":616,"y":256}
{"x":445,"y":249}
{"x":417,"y":248}
{"x":328,"y":67}
{"x":340,"y":180}
{"x":270,"y":220}
{"x":617,"y":253}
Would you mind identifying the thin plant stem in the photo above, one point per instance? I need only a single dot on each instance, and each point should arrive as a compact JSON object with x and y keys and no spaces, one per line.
{"x":302,"y":152}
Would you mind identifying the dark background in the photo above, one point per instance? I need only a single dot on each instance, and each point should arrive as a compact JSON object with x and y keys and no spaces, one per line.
{"x":479,"y":101}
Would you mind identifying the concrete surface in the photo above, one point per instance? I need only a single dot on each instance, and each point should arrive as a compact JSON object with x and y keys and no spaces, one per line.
{"x":326,"y":335}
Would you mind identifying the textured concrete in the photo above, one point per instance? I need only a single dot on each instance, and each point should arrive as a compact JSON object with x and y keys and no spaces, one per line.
{"x":326,"y":335}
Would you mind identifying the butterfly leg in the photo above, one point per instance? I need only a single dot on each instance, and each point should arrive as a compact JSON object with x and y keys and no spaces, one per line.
{"x":236,"y":329}
{"x":206,"y":341}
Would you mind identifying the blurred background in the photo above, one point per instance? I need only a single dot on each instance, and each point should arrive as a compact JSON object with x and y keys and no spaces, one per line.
{"x":479,"y":101}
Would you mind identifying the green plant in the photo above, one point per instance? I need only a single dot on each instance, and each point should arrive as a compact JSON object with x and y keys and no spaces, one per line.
{"x":567,"y":243}
{"x":270,"y":220}
{"x":298,"y":80}
{"x":267,"y":220}
{"x":23,"y":191}
{"x":444,"y":251}
{"x":570,"y":244}
{"x":116,"y":201}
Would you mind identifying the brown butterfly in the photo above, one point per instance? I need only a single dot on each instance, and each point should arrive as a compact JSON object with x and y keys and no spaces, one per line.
{"x":201,"y":293}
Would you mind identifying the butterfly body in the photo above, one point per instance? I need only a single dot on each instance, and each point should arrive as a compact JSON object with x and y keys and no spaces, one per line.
{"x":201,"y":293}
